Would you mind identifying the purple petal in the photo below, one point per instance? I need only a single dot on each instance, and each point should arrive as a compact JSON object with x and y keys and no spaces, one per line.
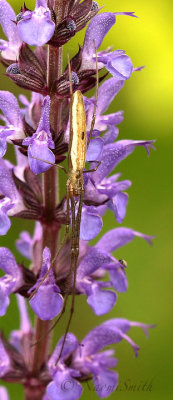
{"x":105,"y":382}
{"x":71,"y":344}
{"x":3,"y":393}
{"x":139,"y":68}
{"x":44,"y":124}
{"x":5,"y":364}
{"x":96,"y":31}
{"x":3,"y":141}
{"x":145,"y":327}
{"x":107,"y":92}
{"x":129,"y":13}
{"x":40,"y":150}
{"x":25,"y":323}
{"x":40,"y":3}
{"x":118,"y":205}
{"x":120,"y":67}
{"x":116,"y":152}
{"x":124,"y":325}
{"x":10,"y":108}
{"x":118,"y":279}
{"x":111,"y":119}
{"x":94,"y":149}
{"x":104,"y":335}
{"x":119,"y":237}
{"x":110,"y":135}
{"x":110,"y":188}
{"x":46,"y":303}
{"x":7,"y":185}
{"x":5,"y":223}
{"x":101,"y":301}
{"x":98,"y":338}
{"x":120,"y":323}
{"x":91,"y":225}
{"x":93,"y":260}
{"x":8,"y":263}
{"x":119,"y":326}
{"x":7,"y":16}
{"x":11,"y":281}
{"x":17,"y":336}
{"x":23,"y":244}
{"x":4,"y":299}
{"x":64,"y":387}
{"x":36,"y":28}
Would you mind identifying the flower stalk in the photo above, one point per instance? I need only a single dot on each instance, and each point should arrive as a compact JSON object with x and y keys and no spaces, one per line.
{"x":40,"y":134}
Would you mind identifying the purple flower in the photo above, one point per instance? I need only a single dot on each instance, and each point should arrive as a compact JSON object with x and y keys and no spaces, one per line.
{"x":47,"y":302}
{"x":116,"y":62}
{"x":32,"y":110}
{"x":9,"y":50}
{"x":36,"y":27}
{"x":106,"y":94}
{"x":12,"y":117}
{"x":41,"y":142}
{"x":19,"y":337}
{"x":114,"y":153}
{"x":26,"y":244}
{"x":97,"y":261}
{"x":99,"y":188}
{"x":11,"y":201}
{"x":86,"y":360}
{"x":12,"y":279}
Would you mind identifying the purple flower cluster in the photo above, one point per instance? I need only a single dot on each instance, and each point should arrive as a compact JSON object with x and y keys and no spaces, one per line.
{"x":40,"y":140}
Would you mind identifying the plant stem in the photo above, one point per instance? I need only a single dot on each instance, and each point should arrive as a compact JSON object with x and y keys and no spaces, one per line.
{"x":50,"y":227}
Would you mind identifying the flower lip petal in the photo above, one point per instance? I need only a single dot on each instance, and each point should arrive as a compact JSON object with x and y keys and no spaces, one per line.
{"x":36,"y":28}
{"x":64,"y":388}
{"x":94,"y":149}
{"x":105,"y":383}
{"x":91,"y":225}
{"x":40,"y":150}
{"x":101,"y":301}
{"x":46,"y":303}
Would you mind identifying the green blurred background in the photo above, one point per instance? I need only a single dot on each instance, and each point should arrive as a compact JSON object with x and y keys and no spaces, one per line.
{"x":146,"y":100}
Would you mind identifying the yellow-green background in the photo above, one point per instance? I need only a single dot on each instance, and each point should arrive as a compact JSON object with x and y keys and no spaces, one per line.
{"x":146,"y":100}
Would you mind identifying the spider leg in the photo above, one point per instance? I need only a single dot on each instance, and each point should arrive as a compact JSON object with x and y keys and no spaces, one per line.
{"x":75,"y":254}
{"x":49,"y":162}
{"x":94,"y":169}
{"x":61,"y":245}
{"x":96,"y":97}
{"x":69,"y":279}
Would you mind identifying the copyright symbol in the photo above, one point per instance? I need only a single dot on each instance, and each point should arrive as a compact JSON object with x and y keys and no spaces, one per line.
{"x":67,"y":385}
